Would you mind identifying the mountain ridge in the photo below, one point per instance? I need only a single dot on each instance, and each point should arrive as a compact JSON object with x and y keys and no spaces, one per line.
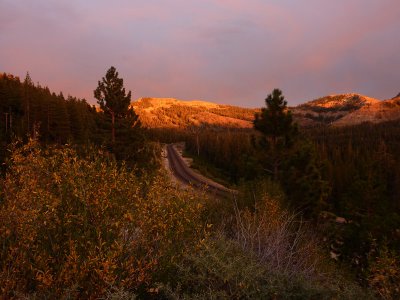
{"x":332,"y":110}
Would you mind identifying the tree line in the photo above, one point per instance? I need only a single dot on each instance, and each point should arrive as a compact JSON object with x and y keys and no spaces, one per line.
{"x":27,"y":108}
{"x":31,"y":110}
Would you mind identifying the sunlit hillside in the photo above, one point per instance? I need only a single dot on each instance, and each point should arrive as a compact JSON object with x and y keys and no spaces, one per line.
{"x":332,"y":110}
{"x":381,"y":111}
{"x":173,"y":113}
{"x":329,"y":109}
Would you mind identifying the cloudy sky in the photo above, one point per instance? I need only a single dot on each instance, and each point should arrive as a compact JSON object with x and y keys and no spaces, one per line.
{"x":225,"y":51}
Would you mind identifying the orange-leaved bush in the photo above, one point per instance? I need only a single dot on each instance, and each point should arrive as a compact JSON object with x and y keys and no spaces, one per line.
{"x":82,"y":225}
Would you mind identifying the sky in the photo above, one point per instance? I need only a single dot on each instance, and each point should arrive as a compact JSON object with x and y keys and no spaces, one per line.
{"x":224,"y":51}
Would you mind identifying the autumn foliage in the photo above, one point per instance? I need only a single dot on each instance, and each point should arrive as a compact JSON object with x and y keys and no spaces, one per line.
{"x":82,"y":226}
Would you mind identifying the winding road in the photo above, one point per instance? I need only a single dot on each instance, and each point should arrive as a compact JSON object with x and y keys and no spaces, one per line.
{"x":184,"y":174}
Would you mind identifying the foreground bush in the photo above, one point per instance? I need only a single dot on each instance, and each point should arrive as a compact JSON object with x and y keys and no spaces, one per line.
{"x":82,"y":227}
{"x":384,"y":273}
{"x":267,"y":253}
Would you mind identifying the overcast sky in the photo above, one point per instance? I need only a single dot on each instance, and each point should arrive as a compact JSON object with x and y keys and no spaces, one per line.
{"x":224,"y":51}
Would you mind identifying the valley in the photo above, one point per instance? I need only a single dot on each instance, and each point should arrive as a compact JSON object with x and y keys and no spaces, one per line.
{"x":190,"y":150}
{"x":90,"y":180}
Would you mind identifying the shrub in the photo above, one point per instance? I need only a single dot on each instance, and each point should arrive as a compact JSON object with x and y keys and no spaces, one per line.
{"x":384,"y":273}
{"x":84,"y":226}
{"x":220,"y":269}
{"x":277,"y":238}
{"x":267,"y":253}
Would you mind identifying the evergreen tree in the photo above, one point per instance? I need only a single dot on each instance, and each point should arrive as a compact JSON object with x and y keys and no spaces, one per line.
{"x":112,"y":98}
{"x":61,"y":122}
{"x":28,"y":87}
{"x":292,"y":161}
{"x":10,"y":105}
{"x":76,"y":113}
{"x":302,"y":179}
{"x":276,"y":124}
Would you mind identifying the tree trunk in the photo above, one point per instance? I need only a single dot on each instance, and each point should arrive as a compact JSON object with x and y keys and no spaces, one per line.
{"x":198,"y":145}
{"x":274,"y":157}
{"x":6,"y":114}
{"x":28,"y":116}
{"x":276,"y":170}
{"x":113,"y":127}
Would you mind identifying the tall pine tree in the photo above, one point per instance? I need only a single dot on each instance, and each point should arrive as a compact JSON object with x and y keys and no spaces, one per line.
{"x":113,"y":99}
{"x":276,"y":124}
{"x":290,"y":160}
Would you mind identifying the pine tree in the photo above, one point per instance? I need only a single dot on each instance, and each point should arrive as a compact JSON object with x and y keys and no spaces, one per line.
{"x":28,"y":85}
{"x":61,"y":122}
{"x":276,"y":124}
{"x":113,"y":99}
{"x":291,"y":161}
{"x":77,"y":117}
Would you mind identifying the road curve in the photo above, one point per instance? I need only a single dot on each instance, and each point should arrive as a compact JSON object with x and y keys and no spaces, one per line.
{"x":183,"y":173}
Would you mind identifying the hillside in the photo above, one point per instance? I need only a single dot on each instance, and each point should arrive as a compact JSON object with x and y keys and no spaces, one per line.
{"x":333,"y":110}
{"x":387,"y":110}
{"x":345,"y":110}
{"x":173,"y":113}
{"x":330,"y":109}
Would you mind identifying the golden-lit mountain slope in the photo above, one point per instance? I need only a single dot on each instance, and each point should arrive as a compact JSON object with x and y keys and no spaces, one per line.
{"x":330,"y":109}
{"x":333,"y":110}
{"x":387,"y":110}
{"x":173,"y":113}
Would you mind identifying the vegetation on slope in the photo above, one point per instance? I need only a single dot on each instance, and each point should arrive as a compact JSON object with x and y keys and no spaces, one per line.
{"x":336,"y":110}
{"x":31,"y":110}
{"x":80,"y":226}
{"x":327,"y":110}
{"x":172,"y":113}
{"x":82,"y":221}
{"x":345,"y":179}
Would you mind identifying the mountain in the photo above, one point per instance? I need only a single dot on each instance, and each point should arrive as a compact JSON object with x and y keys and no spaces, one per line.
{"x":332,"y":110}
{"x":173,"y":113}
{"x":387,"y":110}
{"x":345,"y":110}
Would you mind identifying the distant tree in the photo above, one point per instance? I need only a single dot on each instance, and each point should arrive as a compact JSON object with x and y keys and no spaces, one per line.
{"x":113,"y":99}
{"x":10,"y":105}
{"x":275,"y":122}
{"x":28,"y":86}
